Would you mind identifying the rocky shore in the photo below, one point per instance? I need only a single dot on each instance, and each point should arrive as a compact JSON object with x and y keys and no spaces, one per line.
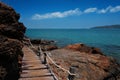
{"x":11,"y":36}
{"x":45,"y":44}
{"x":89,"y":62}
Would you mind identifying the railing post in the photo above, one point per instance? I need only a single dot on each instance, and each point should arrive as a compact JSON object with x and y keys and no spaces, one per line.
{"x":72,"y":70}
{"x":45,"y":60}
{"x":38,"y":52}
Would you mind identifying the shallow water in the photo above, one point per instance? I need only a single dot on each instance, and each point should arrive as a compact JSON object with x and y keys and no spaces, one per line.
{"x":108,"y":40}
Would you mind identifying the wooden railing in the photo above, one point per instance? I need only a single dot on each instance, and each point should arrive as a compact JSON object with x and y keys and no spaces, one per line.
{"x":45,"y":55}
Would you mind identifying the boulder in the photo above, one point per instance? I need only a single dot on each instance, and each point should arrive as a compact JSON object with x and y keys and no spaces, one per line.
{"x":36,"y":41}
{"x":45,"y":44}
{"x":9,"y":24}
{"x":50,"y":47}
{"x":11,"y":36}
{"x":84,"y":48}
{"x":42,"y":42}
{"x":14,"y":30}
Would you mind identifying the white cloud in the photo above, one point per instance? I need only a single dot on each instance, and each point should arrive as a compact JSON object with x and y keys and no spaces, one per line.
{"x":76,"y":11}
{"x":102,"y":11}
{"x":57,"y":14}
{"x":90,"y":10}
{"x":110,"y":9}
{"x":115,"y":9}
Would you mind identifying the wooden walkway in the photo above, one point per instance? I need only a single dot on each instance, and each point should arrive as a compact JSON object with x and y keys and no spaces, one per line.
{"x":32,"y":67}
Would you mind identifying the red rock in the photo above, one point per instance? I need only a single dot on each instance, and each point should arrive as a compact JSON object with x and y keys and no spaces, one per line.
{"x":89,"y":66}
{"x":51,"y":47}
{"x":84,"y":48}
{"x":75,"y":47}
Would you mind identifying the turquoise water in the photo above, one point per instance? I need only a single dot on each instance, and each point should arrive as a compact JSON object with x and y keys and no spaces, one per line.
{"x":108,"y":40}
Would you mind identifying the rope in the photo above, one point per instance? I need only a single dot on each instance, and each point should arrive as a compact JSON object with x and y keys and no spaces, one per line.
{"x":55,"y":63}
{"x":52,"y":59}
{"x":31,"y":44}
{"x":40,"y":50}
{"x":59,"y":66}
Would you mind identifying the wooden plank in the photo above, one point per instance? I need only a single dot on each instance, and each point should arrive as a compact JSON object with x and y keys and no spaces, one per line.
{"x":32,"y":67}
{"x":38,"y":78}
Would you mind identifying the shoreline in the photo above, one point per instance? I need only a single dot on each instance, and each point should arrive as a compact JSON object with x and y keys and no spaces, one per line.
{"x":86,"y":59}
{"x":105,"y":49}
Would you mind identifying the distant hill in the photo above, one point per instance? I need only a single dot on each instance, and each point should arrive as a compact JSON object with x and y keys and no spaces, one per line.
{"x":107,"y":27}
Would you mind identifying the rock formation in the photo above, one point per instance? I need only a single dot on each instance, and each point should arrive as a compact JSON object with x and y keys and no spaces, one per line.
{"x":89,"y":62}
{"x":42,"y":42}
{"x":84,"y":48}
{"x":11,"y":35}
{"x":45,"y":44}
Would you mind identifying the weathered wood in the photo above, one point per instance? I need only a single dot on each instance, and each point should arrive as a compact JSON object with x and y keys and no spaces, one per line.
{"x":45,"y":60}
{"x":72,"y":70}
{"x":32,"y":67}
{"x":39,"y":53}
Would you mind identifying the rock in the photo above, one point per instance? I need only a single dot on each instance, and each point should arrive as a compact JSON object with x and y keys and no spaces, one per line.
{"x":10,"y":50}
{"x":42,"y":42}
{"x":35,"y":41}
{"x":9,"y":25}
{"x":89,"y":66}
{"x":45,"y":44}
{"x":84,"y":48}
{"x":75,"y":47}
{"x":50,"y":47}
{"x":11,"y":36}
{"x":15,"y":30}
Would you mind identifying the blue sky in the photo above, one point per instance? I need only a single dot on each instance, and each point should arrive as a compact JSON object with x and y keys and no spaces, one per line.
{"x":67,"y":13}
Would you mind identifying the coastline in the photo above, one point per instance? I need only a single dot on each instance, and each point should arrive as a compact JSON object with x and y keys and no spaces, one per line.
{"x":105,"y":39}
{"x":107,"y":49}
{"x":86,"y":59}
{"x":89,"y":62}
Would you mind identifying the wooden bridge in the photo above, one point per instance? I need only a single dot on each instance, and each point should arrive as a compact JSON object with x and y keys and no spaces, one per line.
{"x":33,"y":69}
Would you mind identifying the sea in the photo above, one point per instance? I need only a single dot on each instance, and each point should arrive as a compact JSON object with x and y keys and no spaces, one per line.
{"x":108,"y":40}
